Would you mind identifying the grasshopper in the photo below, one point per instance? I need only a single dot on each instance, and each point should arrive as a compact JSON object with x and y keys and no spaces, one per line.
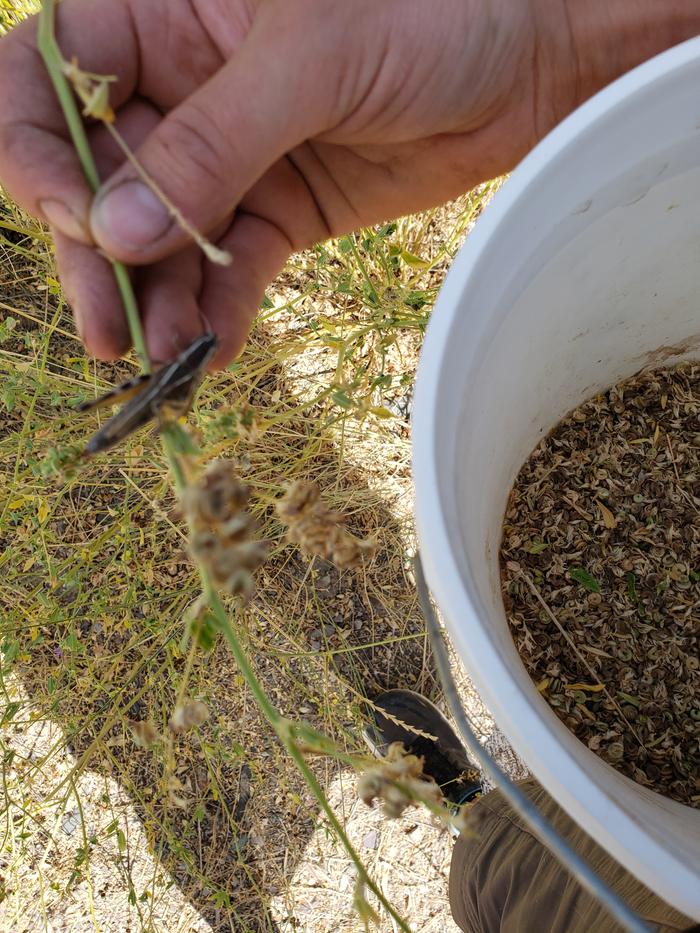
{"x":169,"y":390}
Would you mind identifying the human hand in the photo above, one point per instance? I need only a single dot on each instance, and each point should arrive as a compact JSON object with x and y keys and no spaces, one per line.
{"x":273,"y":124}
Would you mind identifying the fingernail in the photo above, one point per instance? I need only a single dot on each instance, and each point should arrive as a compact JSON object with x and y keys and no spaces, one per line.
{"x":60,"y":216}
{"x":129,"y":215}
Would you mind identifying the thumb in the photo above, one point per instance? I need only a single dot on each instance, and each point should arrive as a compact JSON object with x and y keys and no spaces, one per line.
{"x":207,"y":152}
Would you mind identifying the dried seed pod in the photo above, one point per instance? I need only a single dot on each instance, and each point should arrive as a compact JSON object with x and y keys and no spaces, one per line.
{"x":395,"y":802}
{"x":616,"y":751}
{"x":203,"y":543}
{"x":239,"y":583}
{"x":369,"y":786}
{"x":238,"y":527}
{"x":177,"y":793}
{"x":300,"y":497}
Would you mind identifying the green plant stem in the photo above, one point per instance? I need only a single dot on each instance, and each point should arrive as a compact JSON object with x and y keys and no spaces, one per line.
{"x":279,"y":724}
{"x":363,"y":268}
{"x":52,"y":58}
{"x":51,"y":54}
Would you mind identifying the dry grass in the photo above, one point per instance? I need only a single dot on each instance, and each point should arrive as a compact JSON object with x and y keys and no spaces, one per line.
{"x":95,"y":583}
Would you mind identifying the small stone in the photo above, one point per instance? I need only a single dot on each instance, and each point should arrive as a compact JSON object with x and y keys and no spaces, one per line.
{"x":70,"y":822}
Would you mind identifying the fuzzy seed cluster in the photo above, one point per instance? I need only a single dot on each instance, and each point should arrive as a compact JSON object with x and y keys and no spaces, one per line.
{"x":188,"y":715}
{"x":398,"y":781}
{"x":318,"y":530}
{"x":222,"y":529}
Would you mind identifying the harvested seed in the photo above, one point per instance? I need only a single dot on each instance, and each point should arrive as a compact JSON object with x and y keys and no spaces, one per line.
{"x":600,"y":574}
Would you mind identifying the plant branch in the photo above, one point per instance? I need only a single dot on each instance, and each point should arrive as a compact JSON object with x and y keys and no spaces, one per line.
{"x":51,"y":54}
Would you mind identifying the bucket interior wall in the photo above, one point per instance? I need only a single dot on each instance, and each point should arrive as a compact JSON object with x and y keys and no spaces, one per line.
{"x":592,"y":274}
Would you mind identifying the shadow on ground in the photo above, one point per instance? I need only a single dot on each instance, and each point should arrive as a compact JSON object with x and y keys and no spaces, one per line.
{"x":222,"y":807}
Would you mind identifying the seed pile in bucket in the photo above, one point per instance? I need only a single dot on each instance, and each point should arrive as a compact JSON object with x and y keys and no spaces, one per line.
{"x":600,"y":570}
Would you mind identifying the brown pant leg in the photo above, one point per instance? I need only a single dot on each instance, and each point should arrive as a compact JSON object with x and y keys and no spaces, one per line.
{"x":503,"y":880}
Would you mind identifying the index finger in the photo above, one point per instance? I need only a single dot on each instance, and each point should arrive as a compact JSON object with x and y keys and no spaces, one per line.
{"x":38,"y":164}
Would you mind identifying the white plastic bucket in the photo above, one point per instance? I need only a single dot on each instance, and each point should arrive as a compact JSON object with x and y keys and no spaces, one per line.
{"x":584,"y":269}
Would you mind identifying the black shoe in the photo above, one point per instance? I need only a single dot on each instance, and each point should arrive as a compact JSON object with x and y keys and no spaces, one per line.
{"x":445,"y":757}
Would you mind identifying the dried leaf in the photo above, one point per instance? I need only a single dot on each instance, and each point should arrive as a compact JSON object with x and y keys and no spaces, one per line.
{"x":609,"y":519}
{"x":597,"y":651}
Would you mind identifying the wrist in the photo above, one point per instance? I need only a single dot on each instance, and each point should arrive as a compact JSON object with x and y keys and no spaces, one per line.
{"x":610,"y":37}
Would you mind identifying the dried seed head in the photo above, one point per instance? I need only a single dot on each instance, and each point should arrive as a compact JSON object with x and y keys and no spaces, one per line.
{"x":188,"y":716}
{"x":395,"y":802}
{"x":222,"y":531}
{"x":143,"y":732}
{"x":398,"y":781}
{"x":217,"y":498}
{"x":299,"y":497}
{"x":318,"y":530}
{"x":369,"y":786}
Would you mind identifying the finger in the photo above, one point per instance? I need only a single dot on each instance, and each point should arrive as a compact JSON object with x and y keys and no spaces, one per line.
{"x":213,"y":147}
{"x":168,"y":298}
{"x":38,"y":165}
{"x":89,"y":286}
{"x":231,"y":295}
{"x":88,"y":280}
